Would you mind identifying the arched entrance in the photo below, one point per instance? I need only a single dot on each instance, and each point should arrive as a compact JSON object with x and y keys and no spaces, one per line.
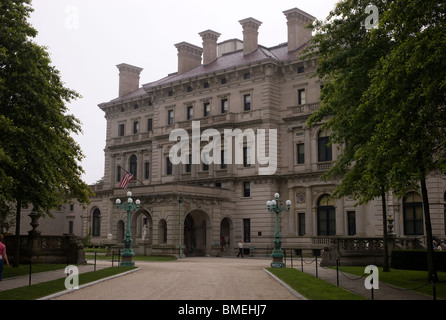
{"x":196,"y":237}
{"x":142,"y":227}
{"x":226,"y":235}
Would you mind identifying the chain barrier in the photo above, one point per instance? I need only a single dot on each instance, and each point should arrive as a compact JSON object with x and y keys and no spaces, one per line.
{"x":349,"y":276}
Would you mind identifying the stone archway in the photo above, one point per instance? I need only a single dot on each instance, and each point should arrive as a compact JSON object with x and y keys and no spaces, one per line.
{"x":141,"y":227}
{"x":226,"y":235}
{"x":197,"y":234}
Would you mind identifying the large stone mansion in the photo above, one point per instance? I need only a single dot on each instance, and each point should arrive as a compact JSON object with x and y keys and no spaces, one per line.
{"x":234,"y":84}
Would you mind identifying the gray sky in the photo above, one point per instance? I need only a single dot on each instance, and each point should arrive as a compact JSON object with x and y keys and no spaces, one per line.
{"x":87,"y":39}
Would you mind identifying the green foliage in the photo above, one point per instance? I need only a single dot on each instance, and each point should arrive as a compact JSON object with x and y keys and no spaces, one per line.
{"x":39,"y":159}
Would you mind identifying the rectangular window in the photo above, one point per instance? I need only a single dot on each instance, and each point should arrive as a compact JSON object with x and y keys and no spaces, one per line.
{"x":223,"y":162}
{"x":135,"y":127}
{"x":170,"y":117}
{"x":118,"y":174}
{"x":224,"y":105}
{"x":246,"y":189}
{"x":246,"y":230}
{"x":189,"y":165}
{"x":206,"y":109}
{"x":324,"y":149}
{"x":147,"y":170}
{"x":351,"y":221}
{"x":190,"y":112}
{"x":300,"y":153}
{"x":168,"y":166}
{"x":301,"y":221}
{"x":121,"y":130}
{"x":70,"y":227}
{"x":246,"y":102}
{"x":246,"y":159}
{"x":301,"y":95}
{"x":149,"y":124}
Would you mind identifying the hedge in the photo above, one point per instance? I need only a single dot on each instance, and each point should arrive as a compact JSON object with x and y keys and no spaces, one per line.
{"x":416,"y":259}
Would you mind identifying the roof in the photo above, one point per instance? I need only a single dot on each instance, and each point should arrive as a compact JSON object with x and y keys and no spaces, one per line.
{"x":226,"y":62}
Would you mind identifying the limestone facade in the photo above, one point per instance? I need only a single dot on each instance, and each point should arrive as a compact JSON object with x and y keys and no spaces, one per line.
{"x":253,"y":87}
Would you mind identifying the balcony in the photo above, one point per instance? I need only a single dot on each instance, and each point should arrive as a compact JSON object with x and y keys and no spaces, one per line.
{"x":307,"y":108}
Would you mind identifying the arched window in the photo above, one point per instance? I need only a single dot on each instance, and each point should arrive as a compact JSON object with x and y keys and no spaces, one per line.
{"x":326,"y":216}
{"x":96,"y":230}
{"x":323,"y":147}
{"x":162,"y":231}
{"x":413,"y":214}
{"x":133,"y":165}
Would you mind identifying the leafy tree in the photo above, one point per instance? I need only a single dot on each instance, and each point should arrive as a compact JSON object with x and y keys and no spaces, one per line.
{"x":384,"y":98}
{"x":408,"y":90}
{"x":39,"y":159}
{"x":347,"y":51}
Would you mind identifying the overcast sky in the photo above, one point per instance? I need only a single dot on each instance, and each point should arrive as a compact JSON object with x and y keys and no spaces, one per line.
{"x":87,"y":39}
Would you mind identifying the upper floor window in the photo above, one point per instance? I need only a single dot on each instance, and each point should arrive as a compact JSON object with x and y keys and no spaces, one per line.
{"x":170,"y":117}
{"x":224,"y":105}
{"x":206,"y":109}
{"x":246,"y":102}
{"x":135,"y":127}
{"x":121,"y":130}
{"x":189,"y":112}
{"x":324,"y":146}
{"x":133,"y":165}
{"x":301,"y":96}
{"x":149,"y":124}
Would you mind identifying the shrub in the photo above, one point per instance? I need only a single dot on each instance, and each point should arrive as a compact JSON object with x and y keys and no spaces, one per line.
{"x":416,"y":259}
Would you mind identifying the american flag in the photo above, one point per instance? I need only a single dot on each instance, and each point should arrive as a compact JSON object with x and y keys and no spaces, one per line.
{"x":126,"y":180}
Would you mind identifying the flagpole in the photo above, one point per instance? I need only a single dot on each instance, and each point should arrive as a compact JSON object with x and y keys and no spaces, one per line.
{"x":133,"y":176}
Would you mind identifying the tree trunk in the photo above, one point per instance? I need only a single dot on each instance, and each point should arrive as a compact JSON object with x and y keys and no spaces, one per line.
{"x":432,"y":271}
{"x":17,"y":233}
{"x":386,"y":266}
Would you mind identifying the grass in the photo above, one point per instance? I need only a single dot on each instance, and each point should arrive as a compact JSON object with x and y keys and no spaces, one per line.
{"x":311,"y":287}
{"x":407,"y":279}
{"x":23,"y":269}
{"x":43,"y":289}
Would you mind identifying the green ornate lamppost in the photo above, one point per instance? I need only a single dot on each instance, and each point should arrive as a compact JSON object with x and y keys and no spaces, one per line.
{"x":273,"y":206}
{"x":127,"y":254}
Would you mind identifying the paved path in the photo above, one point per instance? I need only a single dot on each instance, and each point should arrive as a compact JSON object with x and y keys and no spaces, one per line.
{"x":204,"y":278}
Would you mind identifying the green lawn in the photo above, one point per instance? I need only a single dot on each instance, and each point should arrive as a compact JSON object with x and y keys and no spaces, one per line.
{"x":311,"y":287}
{"x":40,"y":290}
{"x":407,"y":279}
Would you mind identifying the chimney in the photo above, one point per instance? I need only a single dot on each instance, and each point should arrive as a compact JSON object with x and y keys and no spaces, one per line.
{"x":209,"y":45}
{"x":298,"y":35}
{"x":128,"y":78}
{"x":250,"y":34}
{"x":189,"y":56}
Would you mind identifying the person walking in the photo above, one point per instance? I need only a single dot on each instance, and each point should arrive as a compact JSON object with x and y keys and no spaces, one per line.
{"x":240,"y":248}
{"x":3,"y":256}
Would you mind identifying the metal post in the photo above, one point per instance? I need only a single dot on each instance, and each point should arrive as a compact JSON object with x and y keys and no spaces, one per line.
{"x":316,"y":268}
{"x":302,"y":261}
{"x":337,"y":272}
{"x":180,"y":202}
